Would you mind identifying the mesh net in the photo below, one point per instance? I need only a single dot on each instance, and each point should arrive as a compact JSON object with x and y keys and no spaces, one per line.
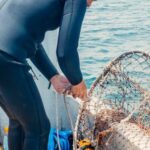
{"x":119,"y":104}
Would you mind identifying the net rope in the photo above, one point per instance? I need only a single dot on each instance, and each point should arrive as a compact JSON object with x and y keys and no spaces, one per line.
{"x":119,"y":102}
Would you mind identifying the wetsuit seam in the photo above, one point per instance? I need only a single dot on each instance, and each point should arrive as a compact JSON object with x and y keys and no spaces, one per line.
{"x":67,"y":35}
{"x":69,"y":22}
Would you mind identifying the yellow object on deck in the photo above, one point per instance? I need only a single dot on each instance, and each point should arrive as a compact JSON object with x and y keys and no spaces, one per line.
{"x":85,"y":145}
{"x":1,"y":148}
{"x":6,"y":130}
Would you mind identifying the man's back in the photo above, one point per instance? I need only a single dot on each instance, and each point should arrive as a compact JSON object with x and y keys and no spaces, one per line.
{"x":23,"y":23}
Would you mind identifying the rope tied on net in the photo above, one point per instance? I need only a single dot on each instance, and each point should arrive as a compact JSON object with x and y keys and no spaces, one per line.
{"x":62,"y":134}
{"x":68,"y":114}
{"x":57,"y":122}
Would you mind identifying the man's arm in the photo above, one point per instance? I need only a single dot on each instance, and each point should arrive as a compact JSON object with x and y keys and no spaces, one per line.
{"x":74,"y":11}
{"x":43,"y":63}
{"x":45,"y":66}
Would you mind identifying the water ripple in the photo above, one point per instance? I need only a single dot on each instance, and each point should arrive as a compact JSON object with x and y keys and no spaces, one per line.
{"x":111,"y":28}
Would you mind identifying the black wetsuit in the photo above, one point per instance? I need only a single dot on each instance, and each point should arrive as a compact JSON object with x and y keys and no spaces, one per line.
{"x":23,"y":24}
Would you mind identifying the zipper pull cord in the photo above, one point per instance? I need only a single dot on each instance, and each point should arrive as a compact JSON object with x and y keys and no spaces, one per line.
{"x":34,"y":74}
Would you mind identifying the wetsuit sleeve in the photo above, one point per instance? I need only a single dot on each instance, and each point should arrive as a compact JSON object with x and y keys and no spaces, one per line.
{"x":43,"y":63}
{"x":68,"y":59}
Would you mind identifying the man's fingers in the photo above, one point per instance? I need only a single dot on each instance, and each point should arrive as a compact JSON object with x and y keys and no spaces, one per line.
{"x":84,"y":96}
{"x":64,"y":79}
{"x":74,"y":95}
{"x":79,"y":90}
{"x":81,"y":95}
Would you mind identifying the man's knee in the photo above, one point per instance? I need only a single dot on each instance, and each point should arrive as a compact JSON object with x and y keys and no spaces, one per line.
{"x":42,"y":128}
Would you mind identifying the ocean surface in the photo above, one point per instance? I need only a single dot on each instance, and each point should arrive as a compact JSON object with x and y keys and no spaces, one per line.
{"x":111,"y":28}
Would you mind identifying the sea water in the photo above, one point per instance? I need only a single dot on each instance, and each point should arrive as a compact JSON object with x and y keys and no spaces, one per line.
{"x":110,"y":28}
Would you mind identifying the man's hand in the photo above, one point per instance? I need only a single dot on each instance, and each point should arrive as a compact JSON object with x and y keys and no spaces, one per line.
{"x":60,"y":83}
{"x":80,"y":91}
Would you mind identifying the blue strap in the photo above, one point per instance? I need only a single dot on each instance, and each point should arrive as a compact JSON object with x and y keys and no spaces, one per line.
{"x":63,"y":138}
{"x":51,"y":143}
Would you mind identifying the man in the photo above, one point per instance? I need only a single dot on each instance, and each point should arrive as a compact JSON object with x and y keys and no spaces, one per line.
{"x":22,"y":28}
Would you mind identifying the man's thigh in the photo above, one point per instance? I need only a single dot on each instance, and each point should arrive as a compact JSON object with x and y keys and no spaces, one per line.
{"x":22,"y":97}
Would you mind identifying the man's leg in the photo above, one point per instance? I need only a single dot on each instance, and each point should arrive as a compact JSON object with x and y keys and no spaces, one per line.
{"x":15,"y":135}
{"x":19,"y":91}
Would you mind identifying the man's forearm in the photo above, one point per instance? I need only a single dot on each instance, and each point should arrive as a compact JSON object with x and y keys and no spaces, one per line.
{"x":69,"y":33}
{"x":43,"y":63}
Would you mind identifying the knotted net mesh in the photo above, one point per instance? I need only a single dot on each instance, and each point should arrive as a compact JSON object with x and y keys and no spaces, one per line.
{"x":117,"y":116}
